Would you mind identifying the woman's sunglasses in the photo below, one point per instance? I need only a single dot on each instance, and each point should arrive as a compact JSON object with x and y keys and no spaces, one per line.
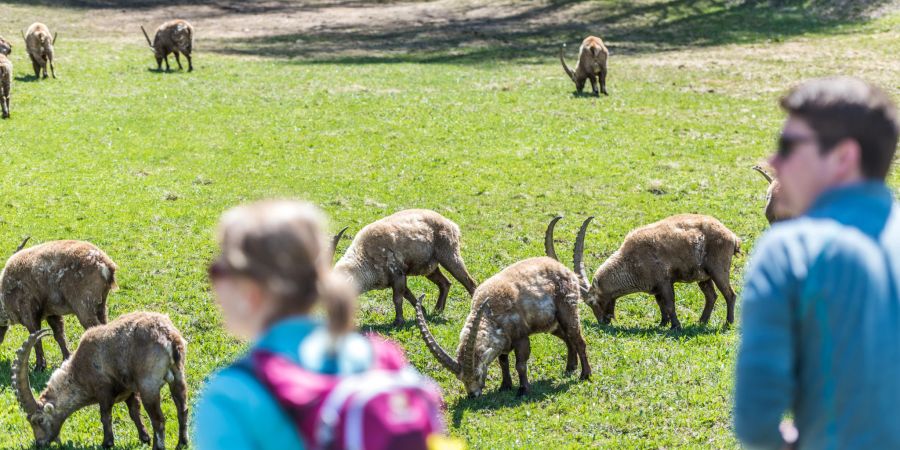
{"x":218,"y":269}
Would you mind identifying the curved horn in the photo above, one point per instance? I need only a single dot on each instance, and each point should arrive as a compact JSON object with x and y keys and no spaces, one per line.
{"x":23,"y":35}
{"x":336,"y":239}
{"x":467,"y":356}
{"x":549,"y":248}
{"x":22,"y":245}
{"x":578,"y":256}
{"x":763,"y":173}
{"x":562,"y":59}
{"x":445,"y":359}
{"x":146,"y":36}
{"x":54,"y":37}
{"x":20,"y":382}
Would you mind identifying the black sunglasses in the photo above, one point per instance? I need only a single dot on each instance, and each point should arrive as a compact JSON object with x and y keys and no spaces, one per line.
{"x":787,"y":144}
{"x":217,"y":269}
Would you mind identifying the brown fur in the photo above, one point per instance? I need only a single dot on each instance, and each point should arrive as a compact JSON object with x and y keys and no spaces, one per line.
{"x":128,"y":360}
{"x":50,"y":280}
{"x":537,"y":295}
{"x":39,"y":43}
{"x":592,"y":57}
{"x":408,"y":243}
{"x":680,"y":249}
{"x":174,"y":36}
{"x":774,"y":212}
{"x":6,"y":71}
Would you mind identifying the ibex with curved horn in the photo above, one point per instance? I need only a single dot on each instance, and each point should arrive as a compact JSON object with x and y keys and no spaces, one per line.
{"x":774,"y":212}
{"x":592,"y":57}
{"x":129,"y":360}
{"x":174,"y":36}
{"x":684,"y":248}
{"x":408,"y":243}
{"x":536,"y":295}
{"x":39,"y":44}
{"x":53,"y":279}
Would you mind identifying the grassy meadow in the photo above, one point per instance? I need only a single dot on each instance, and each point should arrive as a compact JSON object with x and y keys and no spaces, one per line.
{"x":485,"y":131}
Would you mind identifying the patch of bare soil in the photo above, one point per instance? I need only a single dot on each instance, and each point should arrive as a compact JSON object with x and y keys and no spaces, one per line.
{"x":454,"y":30}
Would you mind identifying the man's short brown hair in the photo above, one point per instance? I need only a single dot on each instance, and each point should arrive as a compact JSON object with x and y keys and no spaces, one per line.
{"x":841,"y":108}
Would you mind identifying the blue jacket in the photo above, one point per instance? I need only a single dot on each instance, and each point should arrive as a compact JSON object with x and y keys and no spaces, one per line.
{"x":236,"y":412}
{"x":821,"y":326}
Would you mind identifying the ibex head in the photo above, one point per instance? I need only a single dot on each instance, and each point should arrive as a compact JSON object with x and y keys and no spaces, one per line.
{"x":43,"y":417}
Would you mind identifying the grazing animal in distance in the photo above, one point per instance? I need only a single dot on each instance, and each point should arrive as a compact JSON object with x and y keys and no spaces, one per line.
{"x":129,"y":359}
{"x":407,"y":243}
{"x":6,"y":70}
{"x":592,"y":58}
{"x":774,"y":210}
{"x":174,"y":36}
{"x":53,"y":279}
{"x":684,"y":248}
{"x":39,"y":44}
{"x":535,"y":295}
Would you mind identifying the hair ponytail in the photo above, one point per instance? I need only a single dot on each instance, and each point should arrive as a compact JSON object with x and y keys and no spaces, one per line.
{"x":339,"y":301}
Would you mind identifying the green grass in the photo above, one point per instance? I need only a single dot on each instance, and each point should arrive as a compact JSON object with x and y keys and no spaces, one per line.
{"x":143,"y":163}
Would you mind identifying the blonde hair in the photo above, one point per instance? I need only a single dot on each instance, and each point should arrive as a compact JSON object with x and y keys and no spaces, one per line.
{"x":282,"y":245}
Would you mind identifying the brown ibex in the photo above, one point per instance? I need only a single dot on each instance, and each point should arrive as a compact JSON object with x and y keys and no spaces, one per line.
{"x":6,"y":71}
{"x":591,"y":64}
{"x":408,"y":243}
{"x":129,"y":359}
{"x":774,"y":211}
{"x":53,"y":279}
{"x":536,"y":295}
{"x":684,"y":248}
{"x":39,"y":43}
{"x":174,"y":36}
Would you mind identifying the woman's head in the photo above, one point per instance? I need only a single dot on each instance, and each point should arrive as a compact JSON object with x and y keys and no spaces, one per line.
{"x":275,"y":262}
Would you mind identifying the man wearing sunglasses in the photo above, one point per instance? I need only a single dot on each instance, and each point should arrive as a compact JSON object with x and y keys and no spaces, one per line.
{"x":821,"y":302}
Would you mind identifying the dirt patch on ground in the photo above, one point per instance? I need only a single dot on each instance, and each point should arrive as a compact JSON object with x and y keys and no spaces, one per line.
{"x":451,"y":30}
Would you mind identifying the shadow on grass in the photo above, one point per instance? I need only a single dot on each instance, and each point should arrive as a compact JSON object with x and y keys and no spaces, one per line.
{"x":533,"y":33}
{"x":577,"y":94}
{"x":687,"y":331}
{"x":387,"y":328}
{"x":27,"y":79}
{"x":86,"y":446}
{"x":495,"y":398}
{"x":38,"y":379}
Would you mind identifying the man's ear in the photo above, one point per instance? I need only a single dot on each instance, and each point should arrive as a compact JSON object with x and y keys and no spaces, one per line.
{"x":846,"y":160}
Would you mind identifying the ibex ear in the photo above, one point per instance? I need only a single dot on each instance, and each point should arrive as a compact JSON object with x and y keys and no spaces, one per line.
{"x":48,"y":408}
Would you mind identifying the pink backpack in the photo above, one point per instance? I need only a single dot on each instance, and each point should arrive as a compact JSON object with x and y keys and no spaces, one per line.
{"x":390,"y":406}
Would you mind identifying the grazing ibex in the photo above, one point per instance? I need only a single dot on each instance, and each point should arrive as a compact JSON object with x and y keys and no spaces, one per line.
{"x":591,"y":64}
{"x":6,"y":70}
{"x":39,"y":44}
{"x":53,"y":279}
{"x":408,"y":243}
{"x":174,"y":36}
{"x":684,"y":248}
{"x":774,"y":211}
{"x":130,"y":359}
{"x":536,"y":295}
